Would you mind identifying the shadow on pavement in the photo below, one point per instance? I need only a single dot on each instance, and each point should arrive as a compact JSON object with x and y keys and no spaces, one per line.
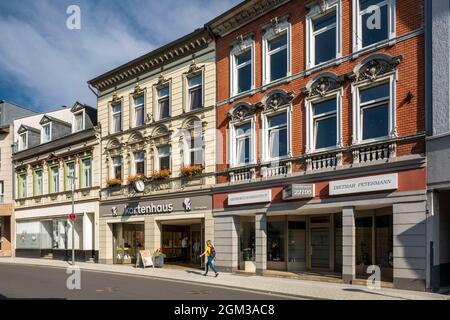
{"x":194,"y":272}
{"x":370,"y":292}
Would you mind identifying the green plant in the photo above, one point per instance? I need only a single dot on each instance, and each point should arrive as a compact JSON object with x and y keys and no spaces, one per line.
{"x":136,"y":177}
{"x":159,"y":253}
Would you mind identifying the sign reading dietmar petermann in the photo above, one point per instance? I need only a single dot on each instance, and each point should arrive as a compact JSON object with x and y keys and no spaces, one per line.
{"x":364,"y":184}
{"x":298,"y":191}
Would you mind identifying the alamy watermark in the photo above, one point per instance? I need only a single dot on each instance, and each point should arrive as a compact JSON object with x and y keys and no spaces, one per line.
{"x":374,"y":280}
{"x":74,"y":279}
{"x":73,"y":21}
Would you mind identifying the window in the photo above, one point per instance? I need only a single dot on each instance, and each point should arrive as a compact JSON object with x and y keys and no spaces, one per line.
{"x":324,"y":39}
{"x":117,"y":117}
{"x":2,"y":194}
{"x":194,"y":149}
{"x":276,"y":53}
{"x":46,"y":133}
{"x":139,"y":111}
{"x":164,"y":158}
{"x":69,"y":172}
{"x":23,"y":141}
{"x":38,"y":187}
{"x":375,"y":22}
{"x":86,"y":173}
{"x":195,"y":87}
{"x":139,"y":163}
{"x":243,"y":144}
{"x":244,"y":71}
{"x":117,"y":168}
{"x":54,"y":179}
{"x":78,"y":121}
{"x":163,"y":103}
{"x":324,"y":124}
{"x":374,"y":107}
{"x":22,"y":186}
{"x":277,"y":133}
{"x":275,"y":240}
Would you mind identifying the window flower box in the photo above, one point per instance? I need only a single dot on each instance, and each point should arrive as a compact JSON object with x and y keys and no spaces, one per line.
{"x":191,"y":171}
{"x":114,"y":182}
{"x":161,"y":175}
{"x":134,"y":178}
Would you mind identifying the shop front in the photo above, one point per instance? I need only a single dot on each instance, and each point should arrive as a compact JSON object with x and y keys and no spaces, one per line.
{"x":46,"y":233}
{"x":6,"y":243}
{"x":341,"y":228}
{"x":177,"y":226}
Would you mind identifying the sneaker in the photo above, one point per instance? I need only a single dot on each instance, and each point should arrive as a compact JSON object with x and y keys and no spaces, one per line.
{"x":216,"y":274}
{"x":204,"y":274}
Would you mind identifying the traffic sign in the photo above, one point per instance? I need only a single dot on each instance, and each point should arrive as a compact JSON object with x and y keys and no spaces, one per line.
{"x":72,"y":217}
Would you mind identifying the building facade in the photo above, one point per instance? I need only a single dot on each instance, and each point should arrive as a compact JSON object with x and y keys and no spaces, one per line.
{"x":157,"y":115}
{"x":8,"y":113}
{"x":52,"y":151}
{"x":321,"y":111}
{"x":438,"y":140}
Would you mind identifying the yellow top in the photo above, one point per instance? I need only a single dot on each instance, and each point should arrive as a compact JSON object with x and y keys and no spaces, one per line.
{"x":208,"y":250}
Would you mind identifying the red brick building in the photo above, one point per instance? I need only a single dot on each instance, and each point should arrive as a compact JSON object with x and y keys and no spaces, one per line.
{"x":321,"y":119}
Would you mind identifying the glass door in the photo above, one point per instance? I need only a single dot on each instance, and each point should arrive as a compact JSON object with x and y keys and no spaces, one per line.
{"x":320,"y":248}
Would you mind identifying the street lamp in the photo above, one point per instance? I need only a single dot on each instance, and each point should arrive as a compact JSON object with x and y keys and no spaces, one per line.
{"x":72,"y":179}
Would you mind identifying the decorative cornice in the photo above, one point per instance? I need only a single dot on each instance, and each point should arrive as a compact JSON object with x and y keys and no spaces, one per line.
{"x":242,"y":14}
{"x":158,"y":58}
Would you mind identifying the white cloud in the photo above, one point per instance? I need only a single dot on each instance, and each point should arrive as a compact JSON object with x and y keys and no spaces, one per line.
{"x":51,"y":64}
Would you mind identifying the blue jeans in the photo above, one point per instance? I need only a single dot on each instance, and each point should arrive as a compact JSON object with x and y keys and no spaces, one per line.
{"x":209,"y":264}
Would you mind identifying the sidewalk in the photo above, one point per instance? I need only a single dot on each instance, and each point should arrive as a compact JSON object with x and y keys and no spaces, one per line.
{"x":299,"y":288}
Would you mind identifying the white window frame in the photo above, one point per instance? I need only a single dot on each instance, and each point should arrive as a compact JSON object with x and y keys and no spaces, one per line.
{"x":83,"y":121}
{"x":43,"y":135}
{"x":85,"y":184}
{"x":238,"y":49}
{"x":187,"y":147}
{"x":21,"y":143}
{"x":158,"y":157}
{"x":284,"y":26}
{"x":316,"y":13}
{"x":136,"y":107}
{"x":135,"y":162}
{"x":187,"y":100}
{"x":357,"y":114}
{"x":52,"y":181}
{"x":233,"y":146}
{"x":39,"y":188}
{"x":23,"y":177}
{"x":114,"y":165}
{"x":357,"y":24}
{"x":113,"y":114}
{"x":265,"y":138}
{"x":310,"y":128}
{"x":157,"y":99}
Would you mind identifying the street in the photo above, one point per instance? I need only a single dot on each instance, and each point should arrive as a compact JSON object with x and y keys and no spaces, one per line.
{"x":38,"y":282}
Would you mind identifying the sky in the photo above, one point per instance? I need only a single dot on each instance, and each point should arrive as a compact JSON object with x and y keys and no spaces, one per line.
{"x":44,"y":65}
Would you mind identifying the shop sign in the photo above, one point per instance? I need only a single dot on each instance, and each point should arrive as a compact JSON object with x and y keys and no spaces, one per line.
{"x":140,"y":210}
{"x":364,"y":184}
{"x":250,"y":197}
{"x":298,"y":191}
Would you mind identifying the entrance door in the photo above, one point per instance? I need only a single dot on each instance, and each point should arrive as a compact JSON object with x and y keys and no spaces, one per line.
{"x":320,"y":248}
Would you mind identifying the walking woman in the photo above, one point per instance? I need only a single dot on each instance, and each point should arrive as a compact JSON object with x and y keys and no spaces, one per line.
{"x":210,"y":254}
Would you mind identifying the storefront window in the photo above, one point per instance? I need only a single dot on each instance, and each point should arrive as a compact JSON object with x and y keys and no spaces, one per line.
{"x":297,"y":241}
{"x":384,"y":242}
{"x":275,"y":241}
{"x":128,"y":240}
{"x":363,"y":242}
{"x":247,"y":243}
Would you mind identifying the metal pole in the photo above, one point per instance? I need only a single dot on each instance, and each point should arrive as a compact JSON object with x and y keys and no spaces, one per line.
{"x":73,"y":222}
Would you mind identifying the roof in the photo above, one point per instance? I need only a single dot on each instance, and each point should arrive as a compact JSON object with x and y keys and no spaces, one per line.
{"x":24,"y":127}
{"x":155,"y":59}
{"x":53,"y":119}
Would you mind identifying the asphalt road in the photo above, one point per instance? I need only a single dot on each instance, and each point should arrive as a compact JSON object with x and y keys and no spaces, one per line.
{"x":36,"y":282}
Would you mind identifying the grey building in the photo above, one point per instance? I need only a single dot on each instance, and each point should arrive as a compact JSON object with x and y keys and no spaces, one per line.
{"x":438,"y":140}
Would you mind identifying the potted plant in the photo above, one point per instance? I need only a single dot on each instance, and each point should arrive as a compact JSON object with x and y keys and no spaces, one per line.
{"x":191,"y":171}
{"x":161,"y":175}
{"x":158,"y":258}
{"x":113,"y":182}
{"x":134,"y":178}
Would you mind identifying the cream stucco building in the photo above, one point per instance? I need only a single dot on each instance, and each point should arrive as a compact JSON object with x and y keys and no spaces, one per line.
{"x":157,"y":117}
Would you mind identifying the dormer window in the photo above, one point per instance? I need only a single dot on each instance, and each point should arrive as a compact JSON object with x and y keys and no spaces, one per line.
{"x":23,"y":141}
{"x":46,"y":132}
{"x":78,"y":120}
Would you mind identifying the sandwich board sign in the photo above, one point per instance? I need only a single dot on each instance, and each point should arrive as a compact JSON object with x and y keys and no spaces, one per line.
{"x":144,"y":258}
